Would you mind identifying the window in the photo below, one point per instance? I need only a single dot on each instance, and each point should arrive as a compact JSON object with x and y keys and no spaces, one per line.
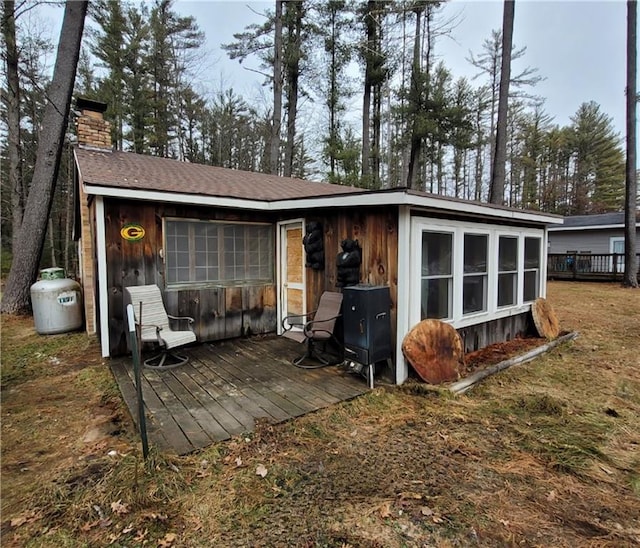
{"x":474,"y":285}
{"x":531,"y":268}
{"x":507,"y":270}
{"x":436,"y":275}
{"x":220,"y":253}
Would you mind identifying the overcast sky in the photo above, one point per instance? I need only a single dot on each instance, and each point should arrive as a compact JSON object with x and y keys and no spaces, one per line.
{"x":578,"y":46}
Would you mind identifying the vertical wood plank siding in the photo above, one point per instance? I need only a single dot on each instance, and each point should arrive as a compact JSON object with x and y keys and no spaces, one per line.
{"x":219,"y":312}
{"x":376,"y":230}
{"x":228,"y":312}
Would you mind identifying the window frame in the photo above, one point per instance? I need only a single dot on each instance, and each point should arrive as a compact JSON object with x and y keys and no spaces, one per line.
{"x":484,"y":275}
{"x":221,"y":252}
{"x":492,"y":312}
{"x":513,"y":272}
{"x":537,"y":270}
{"x":448,"y":277}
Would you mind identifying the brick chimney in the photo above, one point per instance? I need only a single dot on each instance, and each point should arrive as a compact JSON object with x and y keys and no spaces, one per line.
{"x":93,"y":130}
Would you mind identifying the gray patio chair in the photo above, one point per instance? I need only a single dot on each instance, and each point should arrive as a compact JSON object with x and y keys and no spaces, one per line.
{"x":315,"y":328}
{"x":154,"y":322}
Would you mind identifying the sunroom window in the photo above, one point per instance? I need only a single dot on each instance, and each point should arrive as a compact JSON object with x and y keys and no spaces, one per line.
{"x":436,"y":275}
{"x":474,"y":285}
{"x":218,"y":253}
{"x":531,"y":268}
{"x":507,"y":270}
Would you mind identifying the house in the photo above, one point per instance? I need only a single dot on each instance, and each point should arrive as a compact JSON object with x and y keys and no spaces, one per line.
{"x":603,"y":233}
{"x":226,"y":247}
{"x":589,"y":247}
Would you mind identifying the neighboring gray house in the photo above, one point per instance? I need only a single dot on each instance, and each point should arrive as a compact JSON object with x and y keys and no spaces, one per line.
{"x":603,"y":233}
{"x":589,"y":247}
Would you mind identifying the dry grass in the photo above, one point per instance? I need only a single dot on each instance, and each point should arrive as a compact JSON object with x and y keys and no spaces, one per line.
{"x":544,"y":454}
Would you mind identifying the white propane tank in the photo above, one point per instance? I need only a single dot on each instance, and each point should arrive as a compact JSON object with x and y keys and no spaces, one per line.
{"x":56,"y":302}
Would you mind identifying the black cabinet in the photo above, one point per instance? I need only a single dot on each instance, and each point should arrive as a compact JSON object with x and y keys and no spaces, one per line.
{"x":367,"y":325}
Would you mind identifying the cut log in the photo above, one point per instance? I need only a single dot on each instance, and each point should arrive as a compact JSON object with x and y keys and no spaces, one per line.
{"x":463,"y":385}
{"x":434,"y":349}
{"x":545,"y":319}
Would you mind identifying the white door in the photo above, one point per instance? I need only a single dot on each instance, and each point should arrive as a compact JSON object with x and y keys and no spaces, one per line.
{"x":292,"y":291}
{"x":616,"y":245}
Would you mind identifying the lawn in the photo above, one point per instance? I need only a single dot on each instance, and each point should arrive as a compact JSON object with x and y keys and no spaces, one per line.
{"x":542,"y":454}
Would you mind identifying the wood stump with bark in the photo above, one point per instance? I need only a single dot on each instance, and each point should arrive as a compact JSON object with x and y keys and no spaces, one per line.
{"x":545,"y":319}
{"x":434,"y":349}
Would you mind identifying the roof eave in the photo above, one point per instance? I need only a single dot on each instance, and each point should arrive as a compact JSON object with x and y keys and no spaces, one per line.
{"x":365,"y":198}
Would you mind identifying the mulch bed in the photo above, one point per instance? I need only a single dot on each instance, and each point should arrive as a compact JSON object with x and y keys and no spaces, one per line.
{"x":495,"y":353}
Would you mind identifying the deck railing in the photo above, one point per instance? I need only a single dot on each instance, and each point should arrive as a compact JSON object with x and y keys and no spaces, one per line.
{"x":586,"y":266}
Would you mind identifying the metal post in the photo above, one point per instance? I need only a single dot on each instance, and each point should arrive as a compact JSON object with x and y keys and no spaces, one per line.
{"x":135,"y":353}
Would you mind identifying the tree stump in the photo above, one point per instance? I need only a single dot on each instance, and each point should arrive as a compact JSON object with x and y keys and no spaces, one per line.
{"x":545,"y":319}
{"x":434,"y":349}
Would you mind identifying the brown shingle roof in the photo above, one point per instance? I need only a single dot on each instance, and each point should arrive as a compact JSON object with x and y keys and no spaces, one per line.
{"x":139,"y":172}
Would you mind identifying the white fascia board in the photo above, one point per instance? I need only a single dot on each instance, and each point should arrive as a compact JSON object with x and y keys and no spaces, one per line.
{"x":103,"y":298}
{"x":398,"y":198}
{"x":580,"y":228}
{"x":403,"y":291}
{"x":170,"y":197}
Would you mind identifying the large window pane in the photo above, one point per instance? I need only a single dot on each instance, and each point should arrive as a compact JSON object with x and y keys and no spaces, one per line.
{"x":507,"y":270}
{"x":507,"y":289}
{"x":437,"y":278}
{"x":436,"y":253}
{"x":531,"y":268}
{"x":436,"y":298}
{"x":507,"y":253}
{"x":474,"y":294}
{"x":530,"y":285}
{"x":474,"y":285}
{"x":475,"y":253}
{"x":214,"y":252}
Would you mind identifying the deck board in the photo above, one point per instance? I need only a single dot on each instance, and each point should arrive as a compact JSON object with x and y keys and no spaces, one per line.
{"x":226,"y":386}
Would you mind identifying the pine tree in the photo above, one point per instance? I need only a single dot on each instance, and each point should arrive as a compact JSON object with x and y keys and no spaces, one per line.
{"x":598,"y":171}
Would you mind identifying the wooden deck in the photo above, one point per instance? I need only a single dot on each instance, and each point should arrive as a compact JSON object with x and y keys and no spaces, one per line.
{"x":226,"y":386}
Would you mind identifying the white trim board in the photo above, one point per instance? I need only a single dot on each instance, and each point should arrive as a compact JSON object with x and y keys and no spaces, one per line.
{"x":103,"y":298}
{"x":370,"y":198}
{"x":580,"y":228}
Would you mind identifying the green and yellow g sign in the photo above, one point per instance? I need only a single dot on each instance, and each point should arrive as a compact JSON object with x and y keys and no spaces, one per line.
{"x":132,"y":232}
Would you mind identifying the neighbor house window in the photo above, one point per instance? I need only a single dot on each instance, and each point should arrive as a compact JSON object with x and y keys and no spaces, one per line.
{"x":216,"y":252}
{"x":531,"y":268}
{"x":436,"y":275}
{"x":507,"y":270}
{"x":474,"y":285}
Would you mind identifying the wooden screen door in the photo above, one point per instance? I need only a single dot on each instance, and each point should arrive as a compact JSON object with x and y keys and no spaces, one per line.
{"x":292,"y":273}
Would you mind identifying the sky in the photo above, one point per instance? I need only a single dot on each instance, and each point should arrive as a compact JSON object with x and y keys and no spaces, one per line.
{"x":579,"y":47}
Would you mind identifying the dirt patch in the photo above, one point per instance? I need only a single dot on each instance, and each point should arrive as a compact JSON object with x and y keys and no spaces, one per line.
{"x":543,"y":454}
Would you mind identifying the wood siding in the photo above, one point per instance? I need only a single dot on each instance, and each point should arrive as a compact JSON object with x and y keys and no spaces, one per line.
{"x":219,"y":312}
{"x":376,"y":230}
{"x":478,"y":336}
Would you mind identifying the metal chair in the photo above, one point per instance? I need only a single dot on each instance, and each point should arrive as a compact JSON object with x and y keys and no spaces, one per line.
{"x":315,"y":328}
{"x":151,"y":316}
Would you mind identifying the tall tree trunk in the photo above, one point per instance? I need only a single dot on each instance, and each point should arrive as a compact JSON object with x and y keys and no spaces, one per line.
{"x":370,"y":22}
{"x":13,"y":121}
{"x":26,"y":259}
{"x":68,"y":210}
{"x":416,"y":92}
{"x":294,"y":54}
{"x":630,"y":258}
{"x":496,"y":191}
{"x":274,"y":151}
